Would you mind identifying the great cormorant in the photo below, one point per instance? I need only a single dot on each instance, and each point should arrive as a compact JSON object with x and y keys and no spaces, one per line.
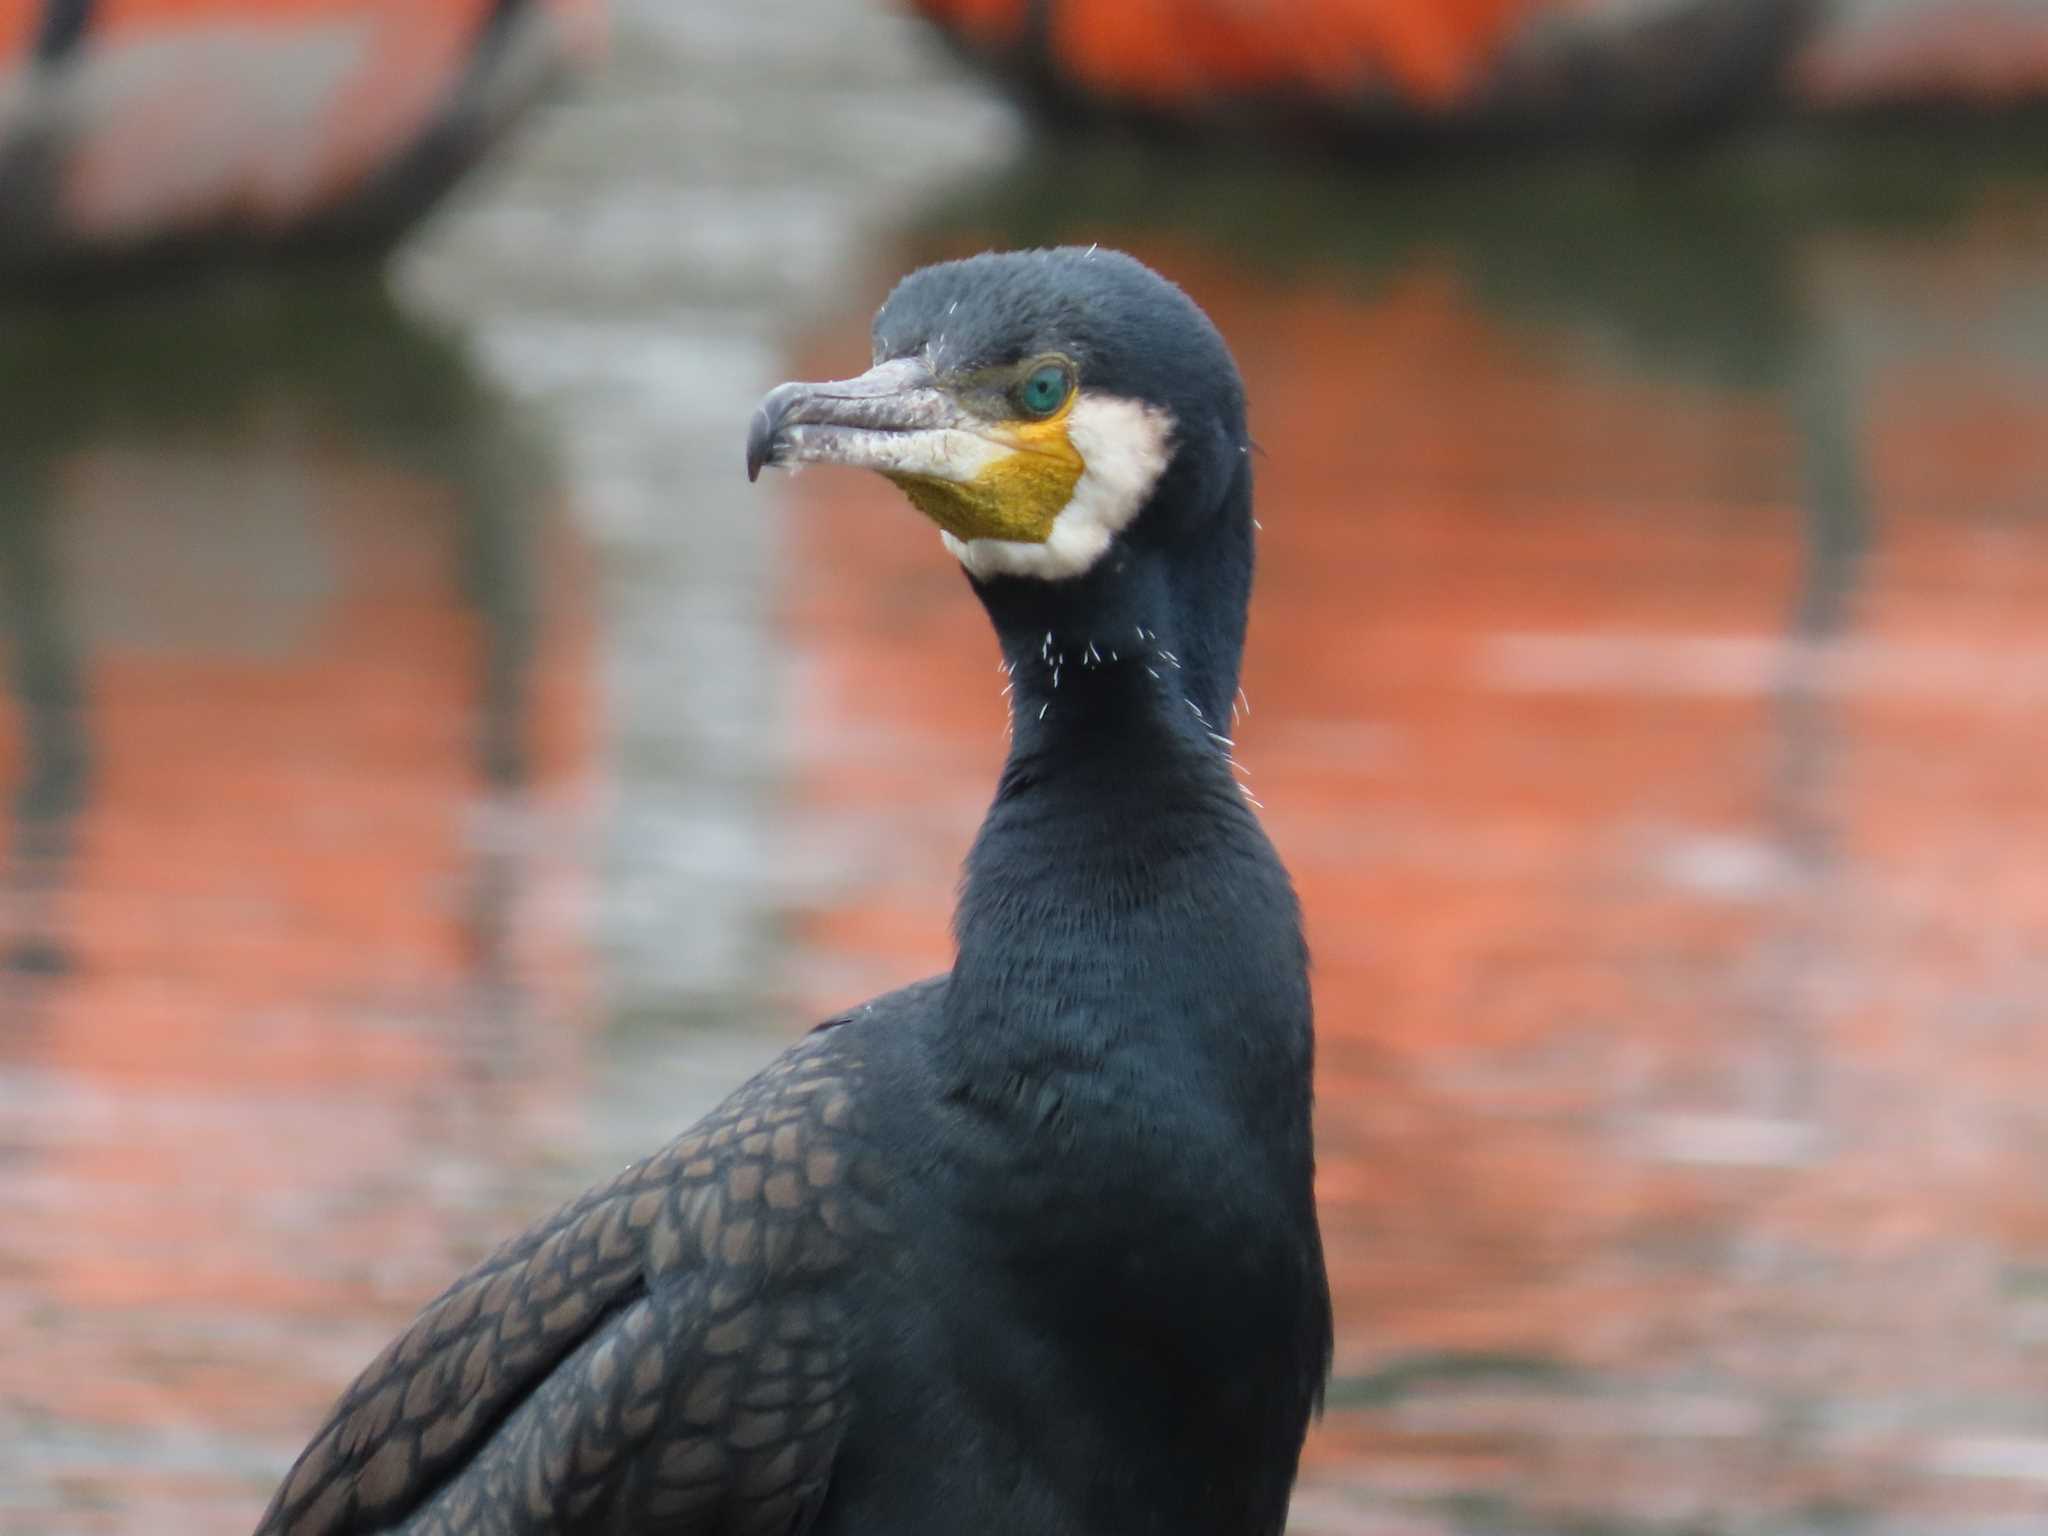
{"x":1029,"y":1247}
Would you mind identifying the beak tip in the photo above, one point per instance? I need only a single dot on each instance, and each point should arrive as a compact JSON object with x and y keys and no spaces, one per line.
{"x":889,"y":397}
{"x":760,"y":444}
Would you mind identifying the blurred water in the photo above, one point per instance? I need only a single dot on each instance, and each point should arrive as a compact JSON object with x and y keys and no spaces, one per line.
{"x":435,"y":774}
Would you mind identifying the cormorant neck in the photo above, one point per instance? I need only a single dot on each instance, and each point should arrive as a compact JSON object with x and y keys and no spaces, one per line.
{"x":1119,"y":838}
{"x":1164,"y":608}
{"x":1092,"y":677}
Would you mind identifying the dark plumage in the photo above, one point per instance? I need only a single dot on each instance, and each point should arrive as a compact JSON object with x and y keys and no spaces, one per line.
{"x":1026,"y":1248}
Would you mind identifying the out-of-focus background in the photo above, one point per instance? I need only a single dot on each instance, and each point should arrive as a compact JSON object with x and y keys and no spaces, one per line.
{"x":432,"y":774}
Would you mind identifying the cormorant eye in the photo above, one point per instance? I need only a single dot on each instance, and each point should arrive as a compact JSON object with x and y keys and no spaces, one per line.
{"x":1044,"y":391}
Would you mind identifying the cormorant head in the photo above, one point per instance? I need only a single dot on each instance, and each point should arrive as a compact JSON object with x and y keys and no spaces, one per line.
{"x":1075,"y":427}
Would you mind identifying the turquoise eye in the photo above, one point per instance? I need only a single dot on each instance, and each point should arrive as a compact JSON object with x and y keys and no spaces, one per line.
{"x":1044,"y":392}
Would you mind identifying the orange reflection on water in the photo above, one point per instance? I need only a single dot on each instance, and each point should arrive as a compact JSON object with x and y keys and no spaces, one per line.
{"x":1659,"y":765}
{"x":289,"y":1005}
{"x":1658,"y":757}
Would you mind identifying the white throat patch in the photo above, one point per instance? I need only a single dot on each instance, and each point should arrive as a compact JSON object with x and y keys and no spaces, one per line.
{"x":1125,"y":446}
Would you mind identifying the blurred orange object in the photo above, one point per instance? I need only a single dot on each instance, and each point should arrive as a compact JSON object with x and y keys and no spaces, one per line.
{"x":1430,"y":52}
{"x":133,"y":127}
{"x":1438,"y":65}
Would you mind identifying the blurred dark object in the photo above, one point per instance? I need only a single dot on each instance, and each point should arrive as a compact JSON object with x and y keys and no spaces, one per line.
{"x":135,"y":130}
{"x":1393,"y":69}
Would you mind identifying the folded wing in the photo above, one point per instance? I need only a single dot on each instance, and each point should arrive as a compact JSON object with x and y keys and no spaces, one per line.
{"x":669,"y":1351}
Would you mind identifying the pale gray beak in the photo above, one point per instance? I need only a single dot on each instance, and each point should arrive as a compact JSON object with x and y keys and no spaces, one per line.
{"x":893,"y":418}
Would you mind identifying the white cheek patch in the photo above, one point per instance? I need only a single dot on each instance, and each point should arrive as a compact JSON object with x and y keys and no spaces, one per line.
{"x":1125,"y":446}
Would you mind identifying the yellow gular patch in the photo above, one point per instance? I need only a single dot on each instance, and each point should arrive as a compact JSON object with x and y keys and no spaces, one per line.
{"x":1015,"y":498}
